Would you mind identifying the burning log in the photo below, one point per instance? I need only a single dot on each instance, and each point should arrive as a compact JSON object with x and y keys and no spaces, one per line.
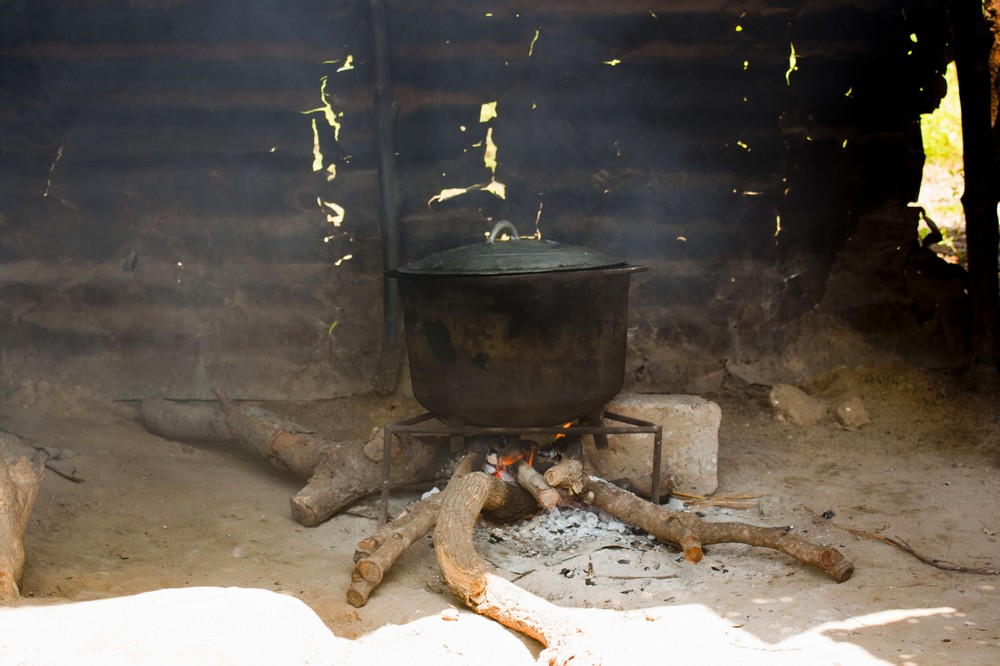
{"x":471,"y":579}
{"x":691,"y":533}
{"x":339,"y":473}
{"x":529,"y":479}
{"x":514,"y":464}
{"x":568,"y":472}
{"x":20,"y":478}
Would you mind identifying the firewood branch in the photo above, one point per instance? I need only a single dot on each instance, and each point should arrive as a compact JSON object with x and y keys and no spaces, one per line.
{"x":529,"y":479}
{"x":376,"y":553}
{"x":898,"y":543}
{"x":472,"y":580}
{"x":691,"y":533}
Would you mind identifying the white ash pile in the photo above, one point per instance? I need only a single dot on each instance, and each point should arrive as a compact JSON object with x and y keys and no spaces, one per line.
{"x":560,"y":532}
{"x":568,"y":529}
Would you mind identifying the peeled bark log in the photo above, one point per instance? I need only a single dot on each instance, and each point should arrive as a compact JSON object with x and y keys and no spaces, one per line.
{"x":20,"y":478}
{"x":471,"y":579}
{"x":691,"y":533}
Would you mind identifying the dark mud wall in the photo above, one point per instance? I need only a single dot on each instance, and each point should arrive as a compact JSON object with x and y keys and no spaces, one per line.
{"x":189,"y":188}
{"x":160,"y":225}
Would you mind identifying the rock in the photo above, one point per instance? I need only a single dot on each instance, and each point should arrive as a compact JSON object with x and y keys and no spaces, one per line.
{"x":852,"y":414}
{"x":795,"y":406}
{"x":690,"y":443}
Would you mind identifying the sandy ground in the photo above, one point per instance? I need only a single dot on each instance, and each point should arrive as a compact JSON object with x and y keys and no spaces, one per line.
{"x":197,"y":521}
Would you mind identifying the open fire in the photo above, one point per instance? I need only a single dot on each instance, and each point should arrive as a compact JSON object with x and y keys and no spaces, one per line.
{"x":514,"y":463}
{"x":498,"y":462}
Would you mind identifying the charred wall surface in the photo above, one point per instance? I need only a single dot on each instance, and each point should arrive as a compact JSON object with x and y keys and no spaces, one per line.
{"x":189,"y":188}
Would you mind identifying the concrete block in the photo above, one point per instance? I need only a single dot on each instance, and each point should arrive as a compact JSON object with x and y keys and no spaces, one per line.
{"x":690,"y":443}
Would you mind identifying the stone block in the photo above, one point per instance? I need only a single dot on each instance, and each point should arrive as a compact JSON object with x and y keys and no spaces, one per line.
{"x":796,"y":406}
{"x":690,"y":443}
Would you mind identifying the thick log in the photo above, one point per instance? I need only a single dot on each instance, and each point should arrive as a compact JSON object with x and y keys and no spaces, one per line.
{"x":339,"y":473}
{"x":690,"y":533}
{"x":286,"y":444}
{"x":186,"y":422}
{"x":20,"y":478}
{"x":471,"y":579}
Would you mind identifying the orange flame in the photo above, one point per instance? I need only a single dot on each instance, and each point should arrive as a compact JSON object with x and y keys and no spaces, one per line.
{"x":511,"y":458}
{"x":561,"y":435}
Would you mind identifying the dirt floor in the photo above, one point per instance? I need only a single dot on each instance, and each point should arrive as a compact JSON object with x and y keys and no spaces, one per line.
{"x":153,"y":514}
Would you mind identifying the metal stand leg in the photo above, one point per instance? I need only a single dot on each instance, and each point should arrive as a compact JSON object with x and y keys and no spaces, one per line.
{"x":387,"y":434}
{"x":654,"y":490}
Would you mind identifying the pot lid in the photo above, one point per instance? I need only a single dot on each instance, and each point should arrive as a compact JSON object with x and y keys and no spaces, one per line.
{"x":510,"y":257}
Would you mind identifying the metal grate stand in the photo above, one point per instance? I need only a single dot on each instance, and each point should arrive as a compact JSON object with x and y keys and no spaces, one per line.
{"x":418,"y":425}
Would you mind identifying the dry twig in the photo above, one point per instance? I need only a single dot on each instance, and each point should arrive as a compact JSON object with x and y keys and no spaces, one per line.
{"x":896,"y":542}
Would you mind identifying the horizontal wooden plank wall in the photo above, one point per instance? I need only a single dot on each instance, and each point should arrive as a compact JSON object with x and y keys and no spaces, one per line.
{"x":169,"y":169}
{"x":162,"y":230}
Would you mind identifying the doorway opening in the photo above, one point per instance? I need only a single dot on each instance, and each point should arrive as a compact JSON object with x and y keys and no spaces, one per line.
{"x":944,"y":176}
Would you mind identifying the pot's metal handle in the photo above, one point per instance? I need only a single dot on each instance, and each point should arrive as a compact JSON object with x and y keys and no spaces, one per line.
{"x":502,"y":224}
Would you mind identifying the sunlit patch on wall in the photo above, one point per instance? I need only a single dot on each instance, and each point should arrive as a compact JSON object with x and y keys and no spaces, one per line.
{"x":531,"y":47}
{"x":335,"y":214}
{"x":487,"y":112}
{"x":490,"y":155}
{"x":793,"y":65}
{"x":52,"y":168}
{"x":330,"y":126}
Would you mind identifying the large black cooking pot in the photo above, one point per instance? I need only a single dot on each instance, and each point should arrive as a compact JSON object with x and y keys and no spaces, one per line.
{"x":515,"y":333}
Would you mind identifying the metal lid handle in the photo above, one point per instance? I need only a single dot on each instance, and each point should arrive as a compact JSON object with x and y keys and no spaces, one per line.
{"x":502,"y":224}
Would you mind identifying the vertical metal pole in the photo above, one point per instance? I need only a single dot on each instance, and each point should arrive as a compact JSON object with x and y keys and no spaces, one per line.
{"x":387,"y":434}
{"x":390,"y":353}
{"x":657,"y":455}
